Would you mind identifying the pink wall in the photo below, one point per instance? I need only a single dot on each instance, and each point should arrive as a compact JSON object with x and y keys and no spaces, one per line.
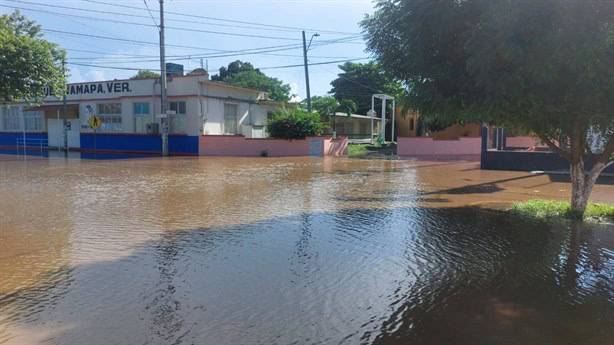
{"x":523,"y":142}
{"x":238,"y":145}
{"x":427,"y":146}
{"x":336,"y":147}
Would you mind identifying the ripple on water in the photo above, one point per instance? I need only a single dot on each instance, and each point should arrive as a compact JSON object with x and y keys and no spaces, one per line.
{"x":304,"y":251}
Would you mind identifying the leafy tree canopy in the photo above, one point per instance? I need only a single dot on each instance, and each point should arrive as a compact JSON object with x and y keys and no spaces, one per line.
{"x":233,"y":68}
{"x":28,"y":63}
{"x":256,"y":80}
{"x":243,"y":74}
{"x":328,"y":106}
{"x":144,"y":73}
{"x":359,"y":81}
{"x":544,"y":66}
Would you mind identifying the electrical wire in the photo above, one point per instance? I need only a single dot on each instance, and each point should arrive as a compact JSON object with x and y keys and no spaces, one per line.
{"x":227,"y":20}
{"x":158,"y":70}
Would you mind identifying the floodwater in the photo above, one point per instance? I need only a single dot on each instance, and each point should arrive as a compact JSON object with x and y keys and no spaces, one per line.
{"x":293,"y":251}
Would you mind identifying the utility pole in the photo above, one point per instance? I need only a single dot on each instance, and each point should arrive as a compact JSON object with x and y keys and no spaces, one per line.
{"x":164,"y":91}
{"x":306,"y":72}
{"x":65,"y":109}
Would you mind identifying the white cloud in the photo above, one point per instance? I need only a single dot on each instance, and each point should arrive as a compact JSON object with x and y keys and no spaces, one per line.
{"x":95,"y":75}
{"x":75,"y":76}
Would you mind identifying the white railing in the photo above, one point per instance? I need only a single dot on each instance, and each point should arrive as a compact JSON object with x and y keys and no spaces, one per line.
{"x":29,"y":142}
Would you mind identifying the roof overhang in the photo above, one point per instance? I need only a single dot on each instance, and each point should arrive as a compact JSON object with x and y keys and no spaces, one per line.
{"x":51,"y":107}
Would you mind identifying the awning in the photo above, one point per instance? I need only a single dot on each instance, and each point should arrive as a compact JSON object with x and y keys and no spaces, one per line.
{"x":52,"y":107}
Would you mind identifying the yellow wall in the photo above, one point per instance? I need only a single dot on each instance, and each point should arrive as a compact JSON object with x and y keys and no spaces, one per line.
{"x":403,"y":127}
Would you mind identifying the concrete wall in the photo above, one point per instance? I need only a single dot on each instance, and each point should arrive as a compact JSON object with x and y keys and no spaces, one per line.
{"x":336,"y":147}
{"x":8,"y":140}
{"x":428,"y":146}
{"x":138,"y":143}
{"x":238,"y":145}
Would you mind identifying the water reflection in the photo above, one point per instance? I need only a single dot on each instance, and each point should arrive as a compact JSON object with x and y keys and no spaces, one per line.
{"x":305,"y":251}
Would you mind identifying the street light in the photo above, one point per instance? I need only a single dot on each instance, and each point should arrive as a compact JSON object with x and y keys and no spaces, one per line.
{"x":305,"y":49}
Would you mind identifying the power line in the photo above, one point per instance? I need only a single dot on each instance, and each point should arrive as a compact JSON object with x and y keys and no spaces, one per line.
{"x":350,"y":80}
{"x":158,"y":70}
{"x":228,"y":20}
{"x":148,"y":10}
{"x":168,"y":27}
{"x":183,"y":20}
{"x":223,"y":53}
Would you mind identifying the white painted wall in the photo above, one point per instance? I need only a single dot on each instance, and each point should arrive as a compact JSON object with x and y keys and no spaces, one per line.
{"x":204,"y":102}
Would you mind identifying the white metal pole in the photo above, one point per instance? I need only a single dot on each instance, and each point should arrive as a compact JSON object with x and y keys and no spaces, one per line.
{"x":57,"y":129}
{"x":393,"y":115}
{"x":383,"y":124}
{"x":372,"y":113}
{"x":23,"y":124}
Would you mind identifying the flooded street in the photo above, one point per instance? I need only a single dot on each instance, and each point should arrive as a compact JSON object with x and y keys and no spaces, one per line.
{"x":294,"y":251}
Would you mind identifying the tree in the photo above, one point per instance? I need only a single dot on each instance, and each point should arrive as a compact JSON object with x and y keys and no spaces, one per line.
{"x":359,"y":81}
{"x":28,"y":63}
{"x":294,"y":124}
{"x":256,"y":80}
{"x":243,"y":74}
{"x":543,"y":66}
{"x":327,"y":107}
{"x":145,"y":74}
{"x":234,"y":67}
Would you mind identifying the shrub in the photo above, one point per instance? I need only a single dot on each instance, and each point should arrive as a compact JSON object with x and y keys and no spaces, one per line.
{"x":295,"y":124}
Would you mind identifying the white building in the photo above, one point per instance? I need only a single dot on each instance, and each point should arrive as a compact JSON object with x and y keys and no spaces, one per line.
{"x":130,"y":115}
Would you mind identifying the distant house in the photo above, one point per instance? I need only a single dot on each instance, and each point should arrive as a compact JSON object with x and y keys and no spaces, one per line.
{"x":355,"y":126}
{"x":407,"y":126}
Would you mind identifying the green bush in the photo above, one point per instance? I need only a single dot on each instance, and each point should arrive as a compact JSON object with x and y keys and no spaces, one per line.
{"x":295,"y":124}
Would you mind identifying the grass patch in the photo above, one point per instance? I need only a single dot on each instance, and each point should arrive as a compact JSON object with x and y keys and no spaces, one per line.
{"x":364,"y":150}
{"x":541,"y":208}
{"x":357,"y":150}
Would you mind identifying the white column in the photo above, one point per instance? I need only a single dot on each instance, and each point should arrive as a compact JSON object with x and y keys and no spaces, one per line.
{"x":383,"y":124}
{"x":393,"y":115}
{"x":372,"y":113}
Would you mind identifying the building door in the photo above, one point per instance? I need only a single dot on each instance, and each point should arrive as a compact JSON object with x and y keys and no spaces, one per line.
{"x":74,"y":133}
{"x":56,"y":134}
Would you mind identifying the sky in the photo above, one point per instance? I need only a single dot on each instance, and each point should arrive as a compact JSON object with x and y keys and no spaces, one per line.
{"x":269,"y":30}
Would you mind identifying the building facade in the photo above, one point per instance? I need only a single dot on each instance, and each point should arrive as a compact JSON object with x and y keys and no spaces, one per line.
{"x":131,"y":118}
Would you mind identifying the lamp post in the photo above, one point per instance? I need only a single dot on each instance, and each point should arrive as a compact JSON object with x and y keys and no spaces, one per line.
{"x":305,"y":49}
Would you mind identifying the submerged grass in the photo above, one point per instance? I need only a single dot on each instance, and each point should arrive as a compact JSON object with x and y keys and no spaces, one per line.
{"x":364,"y":150}
{"x":541,"y":208}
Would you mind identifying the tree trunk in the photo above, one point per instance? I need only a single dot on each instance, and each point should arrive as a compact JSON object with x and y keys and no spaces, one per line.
{"x":580,"y":189}
{"x":582,"y":183}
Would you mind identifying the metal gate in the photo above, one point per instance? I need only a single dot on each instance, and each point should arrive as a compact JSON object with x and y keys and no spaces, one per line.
{"x":315,"y":147}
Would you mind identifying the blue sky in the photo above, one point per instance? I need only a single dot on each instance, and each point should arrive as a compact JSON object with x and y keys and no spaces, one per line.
{"x":333,"y":20}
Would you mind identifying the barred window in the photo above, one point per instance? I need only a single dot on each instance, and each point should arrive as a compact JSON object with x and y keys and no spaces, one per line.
{"x":141,"y":112}
{"x":176,"y":122}
{"x":34,"y":120}
{"x":10,"y":118}
{"x":110,"y":116}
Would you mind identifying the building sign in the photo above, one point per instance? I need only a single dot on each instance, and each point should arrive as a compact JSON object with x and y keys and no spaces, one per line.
{"x":99,"y":88}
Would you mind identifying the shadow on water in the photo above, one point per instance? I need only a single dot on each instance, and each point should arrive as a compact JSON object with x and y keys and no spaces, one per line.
{"x":386,"y":276}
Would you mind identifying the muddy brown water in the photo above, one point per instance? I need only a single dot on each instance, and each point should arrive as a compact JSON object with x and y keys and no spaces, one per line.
{"x":293,"y":251}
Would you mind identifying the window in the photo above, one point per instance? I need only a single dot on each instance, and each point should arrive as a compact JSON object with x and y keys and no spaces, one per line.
{"x":34,"y":120}
{"x":230,"y":119}
{"x":10,"y":118}
{"x":411,"y":124}
{"x":111,"y":116}
{"x":176,"y":122}
{"x":141,"y":113}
